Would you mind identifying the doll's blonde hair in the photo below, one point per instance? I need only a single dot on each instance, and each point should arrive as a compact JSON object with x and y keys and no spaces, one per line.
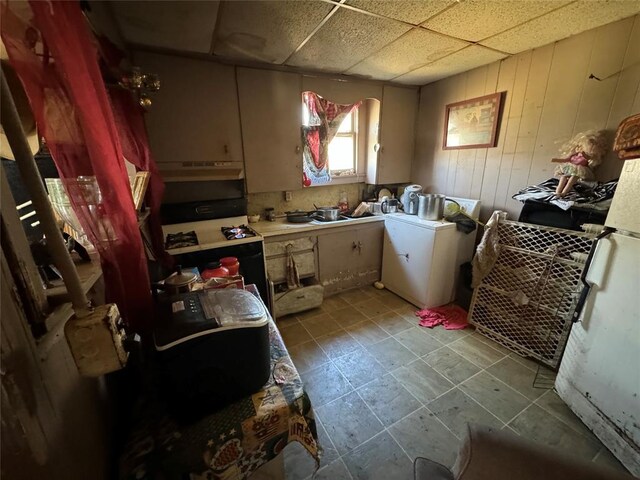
{"x":592,"y":142}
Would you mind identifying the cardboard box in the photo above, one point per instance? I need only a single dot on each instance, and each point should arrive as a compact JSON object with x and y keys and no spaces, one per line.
{"x":233,"y":281}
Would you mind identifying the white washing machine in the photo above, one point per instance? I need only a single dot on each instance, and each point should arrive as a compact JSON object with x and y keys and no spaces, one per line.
{"x":421,"y":258}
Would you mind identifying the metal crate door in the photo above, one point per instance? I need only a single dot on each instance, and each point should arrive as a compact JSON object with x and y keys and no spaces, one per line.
{"x":526,"y":302}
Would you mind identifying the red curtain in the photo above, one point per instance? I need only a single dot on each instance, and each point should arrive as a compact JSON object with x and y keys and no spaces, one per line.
{"x":129,"y":116}
{"x":324,"y":119}
{"x":56,"y":58}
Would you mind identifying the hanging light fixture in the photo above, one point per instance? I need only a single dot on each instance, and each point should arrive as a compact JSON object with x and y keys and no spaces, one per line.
{"x":142,"y":84}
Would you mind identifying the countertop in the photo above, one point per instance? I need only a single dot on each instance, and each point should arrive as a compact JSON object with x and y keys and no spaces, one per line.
{"x":282,"y":227}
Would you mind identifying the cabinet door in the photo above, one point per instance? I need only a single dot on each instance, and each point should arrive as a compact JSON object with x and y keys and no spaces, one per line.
{"x":195,"y":118}
{"x":271,"y":117}
{"x":397,"y":134}
{"x":338,"y":259}
{"x":369,"y":262}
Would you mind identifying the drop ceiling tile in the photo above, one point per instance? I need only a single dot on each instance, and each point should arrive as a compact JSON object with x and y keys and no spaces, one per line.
{"x":413,"y":50}
{"x":266,"y":31}
{"x":346,"y":39}
{"x":567,"y":21}
{"x":477,"y":19}
{"x":458,"y":62}
{"x":179,"y":25}
{"x":414,"y":12}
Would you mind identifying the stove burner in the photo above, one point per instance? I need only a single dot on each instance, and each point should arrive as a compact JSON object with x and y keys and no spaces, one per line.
{"x":181,"y":239}
{"x":234,"y":233}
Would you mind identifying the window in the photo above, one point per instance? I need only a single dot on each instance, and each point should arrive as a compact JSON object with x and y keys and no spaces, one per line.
{"x":343,"y":148}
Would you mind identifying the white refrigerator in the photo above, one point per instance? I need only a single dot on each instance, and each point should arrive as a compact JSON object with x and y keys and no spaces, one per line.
{"x":599,"y":377}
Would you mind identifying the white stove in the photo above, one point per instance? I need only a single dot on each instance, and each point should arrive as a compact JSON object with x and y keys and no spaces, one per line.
{"x":209,"y":233}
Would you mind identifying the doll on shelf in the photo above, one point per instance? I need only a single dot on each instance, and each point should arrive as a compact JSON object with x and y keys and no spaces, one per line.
{"x":583,"y":153}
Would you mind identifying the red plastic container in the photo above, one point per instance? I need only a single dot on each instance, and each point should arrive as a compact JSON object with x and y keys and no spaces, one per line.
{"x":231,"y":264}
{"x":214,"y":269}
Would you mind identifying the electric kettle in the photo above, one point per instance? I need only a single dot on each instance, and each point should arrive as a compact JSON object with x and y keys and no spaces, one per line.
{"x":410,"y":198}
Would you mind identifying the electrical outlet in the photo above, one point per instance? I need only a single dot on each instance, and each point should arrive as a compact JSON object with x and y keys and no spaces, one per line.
{"x":287,"y":196}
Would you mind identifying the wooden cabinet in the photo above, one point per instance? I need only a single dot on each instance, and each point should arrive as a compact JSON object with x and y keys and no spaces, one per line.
{"x":350,"y":257}
{"x":195,"y":116}
{"x":303,"y":250}
{"x":397,"y":137}
{"x":271,"y":117}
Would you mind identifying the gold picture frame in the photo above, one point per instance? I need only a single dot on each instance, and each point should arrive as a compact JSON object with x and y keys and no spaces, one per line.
{"x":472,"y":123}
{"x":139,"y":185}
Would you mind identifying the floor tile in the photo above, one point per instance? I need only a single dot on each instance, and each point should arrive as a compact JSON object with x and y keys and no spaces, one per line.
{"x":392,"y":322}
{"x":349,"y":422}
{"x":504,"y":402}
{"x":307,"y":356}
{"x":324,"y":384}
{"x":298,"y":463}
{"x":347,"y":316}
{"x":419,"y":342}
{"x":338,"y":343}
{"x":527,"y":362}
{"x":388,"y":399}
{"x":493,"y":344}
{"x":421,"y":435}
{"x":517,"y":376}
{"x":314,"y":312}
{"x":396,"y":303}
{"x":456,"y":410}
{"x":320,"y":325}
{"x":381,"y":458}
{"x":422,"y":381}
{"x":445,"y":336}
{"x":451,"y":365}
{"x":391,"y":354}
{"x":372,"y":307}
{"x":367,"y":332}
{"x":607,"y":459}
{"x":539,"y":426}
{"x":359,"y":367}
{"x":333,"y":303}
{"x":476,"y":351}
{"x":328,"y":452}
{"x":294,"y":334}
{"x":551,"y":402}
{"x":355,"y":295}
{"x":334,"y":471}
{"x":286,"y":321}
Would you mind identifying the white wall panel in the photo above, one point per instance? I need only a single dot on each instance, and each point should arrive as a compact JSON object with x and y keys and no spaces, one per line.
{"x":549,"y":98}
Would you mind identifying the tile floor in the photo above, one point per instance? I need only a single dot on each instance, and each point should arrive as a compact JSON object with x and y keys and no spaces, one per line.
{"x":386,"y":391}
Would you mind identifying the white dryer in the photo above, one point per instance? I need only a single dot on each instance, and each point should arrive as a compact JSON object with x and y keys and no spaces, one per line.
{"x":421,"y":258}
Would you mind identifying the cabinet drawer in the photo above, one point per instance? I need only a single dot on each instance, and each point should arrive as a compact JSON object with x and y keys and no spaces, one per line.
{"x":298,"y":300}
{"x":277,"y":266}
{"x":273,"y":249}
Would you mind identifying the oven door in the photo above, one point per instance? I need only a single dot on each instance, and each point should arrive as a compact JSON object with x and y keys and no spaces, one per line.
{"x":249,"y":255}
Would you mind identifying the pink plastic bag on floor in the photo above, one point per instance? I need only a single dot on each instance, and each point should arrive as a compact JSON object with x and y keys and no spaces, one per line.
{"x":451,"y":317}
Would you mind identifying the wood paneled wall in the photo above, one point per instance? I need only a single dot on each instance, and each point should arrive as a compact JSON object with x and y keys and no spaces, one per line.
{"x":549,"y":99}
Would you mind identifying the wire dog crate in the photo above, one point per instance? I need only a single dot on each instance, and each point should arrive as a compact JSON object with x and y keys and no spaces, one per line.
{"x":527,"y":300}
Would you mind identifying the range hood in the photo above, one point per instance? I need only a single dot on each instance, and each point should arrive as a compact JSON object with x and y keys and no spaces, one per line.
{"x":200,"y":171}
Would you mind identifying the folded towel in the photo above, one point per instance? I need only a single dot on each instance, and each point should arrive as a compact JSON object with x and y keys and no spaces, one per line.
{"x":293,"y":278}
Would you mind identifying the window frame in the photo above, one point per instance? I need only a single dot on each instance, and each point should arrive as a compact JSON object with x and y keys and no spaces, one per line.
{"x":353,"y":134}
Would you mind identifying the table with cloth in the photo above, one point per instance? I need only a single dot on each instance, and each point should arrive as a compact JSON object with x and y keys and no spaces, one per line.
{"x":234,"y":441}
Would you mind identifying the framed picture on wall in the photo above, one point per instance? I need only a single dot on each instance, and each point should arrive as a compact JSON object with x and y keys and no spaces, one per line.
{"x":472,"y":123}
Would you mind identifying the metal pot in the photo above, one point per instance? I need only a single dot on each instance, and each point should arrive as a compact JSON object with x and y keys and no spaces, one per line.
{"x":327,"y":214}
{"x":431,"y":207}
{"x":178,"y":282}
